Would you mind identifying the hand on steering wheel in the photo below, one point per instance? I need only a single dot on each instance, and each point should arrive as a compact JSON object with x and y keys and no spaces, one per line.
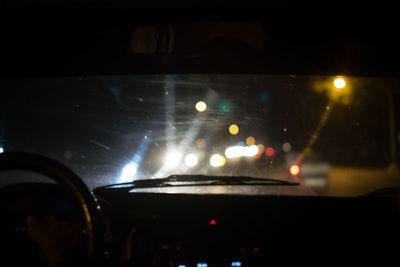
{"x":50,"y":234}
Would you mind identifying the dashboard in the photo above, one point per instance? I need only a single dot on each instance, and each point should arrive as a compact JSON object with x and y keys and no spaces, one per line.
{"x":241,"y":230}
{"x":206,"y":230}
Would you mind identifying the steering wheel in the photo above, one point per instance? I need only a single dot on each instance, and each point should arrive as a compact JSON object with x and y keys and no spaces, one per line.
{"x":93,"y":225}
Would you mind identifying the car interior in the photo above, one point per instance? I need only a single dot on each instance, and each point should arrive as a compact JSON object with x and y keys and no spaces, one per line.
{"x":64,"y":222}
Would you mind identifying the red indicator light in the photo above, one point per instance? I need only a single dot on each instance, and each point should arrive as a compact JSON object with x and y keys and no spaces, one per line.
{"x":213,"y":222}
{"x":165,"y":246}
{"x":255,"y":249}
{"x":294,"y":169}
{"x":269,"y":151}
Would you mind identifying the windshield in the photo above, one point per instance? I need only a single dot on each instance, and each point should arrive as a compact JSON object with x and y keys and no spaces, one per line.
{"x":337,"y":135}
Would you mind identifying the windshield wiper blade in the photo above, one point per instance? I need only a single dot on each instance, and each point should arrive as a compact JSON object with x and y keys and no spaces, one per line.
{"x":203,"y":180}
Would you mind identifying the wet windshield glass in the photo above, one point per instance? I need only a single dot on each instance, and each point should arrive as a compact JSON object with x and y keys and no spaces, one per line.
{"x":338,"y":135}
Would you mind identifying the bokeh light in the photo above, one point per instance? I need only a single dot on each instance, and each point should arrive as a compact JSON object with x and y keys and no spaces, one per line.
{"x":1,"y":150}
{"x":200,"y":143}
{"x":261,"y":149}
{"x":191,"y":160}
{"x":258,"y":155}
{"x":294,"y":169}
{"x":241,"y":151}
{"x":224,"y":107}
{"x":233,"y":152}
{"x":250,"y":141}
{"x":287,"y":147}
{"x":233,"y":129}
{"x":173,"y":159}
{"x":250,"y":151}
{"x":128,"y":172}
{"x":217,"y":160}
{"x":201,"y":106}
{"x":339,"y":83}
{"x":270,"y":152}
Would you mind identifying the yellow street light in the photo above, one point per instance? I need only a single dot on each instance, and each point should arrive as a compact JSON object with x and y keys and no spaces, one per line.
{"x":339,"y":83}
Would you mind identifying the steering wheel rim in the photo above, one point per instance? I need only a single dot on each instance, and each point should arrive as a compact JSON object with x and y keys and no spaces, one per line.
{"x":64,"y":176}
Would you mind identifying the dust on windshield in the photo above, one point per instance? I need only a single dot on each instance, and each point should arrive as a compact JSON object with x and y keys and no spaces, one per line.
{"x":337,"y":135}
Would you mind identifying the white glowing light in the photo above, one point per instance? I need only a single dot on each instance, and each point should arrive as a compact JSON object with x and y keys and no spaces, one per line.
{"x":201,"y":106}
{"x":128,"y":172}
{"x":241,"y":151}
{"x":1,"y":150}
{"x":191,"y":160}
{"x":173,"y":159}
{"x":234,"y":152}
{"x":294,"y":169}
{"x":339,"y":83}
{"x":250,"y":151}
{"x":217,"y":160}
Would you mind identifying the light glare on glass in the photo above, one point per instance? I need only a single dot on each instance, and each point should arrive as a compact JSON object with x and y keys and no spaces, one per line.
{"x":201,"y":106}
{"x":128,"y":171}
